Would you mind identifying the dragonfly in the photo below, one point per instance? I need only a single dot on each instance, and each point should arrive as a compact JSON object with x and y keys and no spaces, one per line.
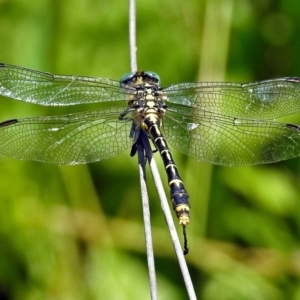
{"x":229,"y":124}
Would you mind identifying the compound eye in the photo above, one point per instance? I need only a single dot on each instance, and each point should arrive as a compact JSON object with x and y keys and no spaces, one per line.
{"x":127,"y":77}
{"x":153,"y":76}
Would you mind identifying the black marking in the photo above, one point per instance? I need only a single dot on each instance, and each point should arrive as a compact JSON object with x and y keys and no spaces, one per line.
{"x":185,"y":242}
{"x":171,"y":166}
{"x":293,"y":127}
{"x":293,"y":79}
{"x":133,"y":149}
{"x":2,"y":65}
{"x":8,"y":122}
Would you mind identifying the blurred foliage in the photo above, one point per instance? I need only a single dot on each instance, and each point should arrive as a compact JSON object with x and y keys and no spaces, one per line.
{"x":75,"y":232}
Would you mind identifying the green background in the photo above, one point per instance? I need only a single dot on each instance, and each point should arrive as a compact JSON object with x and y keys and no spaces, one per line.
{"x":76,"y":232}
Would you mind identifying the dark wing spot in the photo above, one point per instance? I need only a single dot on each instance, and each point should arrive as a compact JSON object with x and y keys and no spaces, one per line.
{"x":293,"y":127}
{"x":8,"y":122}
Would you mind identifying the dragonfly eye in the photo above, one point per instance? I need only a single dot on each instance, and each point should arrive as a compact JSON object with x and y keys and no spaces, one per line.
{"x":126,"y":78}
{"x":153,"y":76}
{"x":134,"y":79}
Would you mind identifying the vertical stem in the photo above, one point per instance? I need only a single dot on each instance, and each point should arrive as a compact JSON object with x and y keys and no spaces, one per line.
{"x":141,"y":158}
{"x":132,"y":35}
{"x":146,"y":216}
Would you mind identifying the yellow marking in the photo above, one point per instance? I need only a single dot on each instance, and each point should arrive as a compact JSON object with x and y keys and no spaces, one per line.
{"x":182,"y":207}
{"x":171,"y":165}
{"x":144,"y":126}
{"x":183,"y":211}
{"x":150,"y":100}
{"x":152,"y":117}
{"x":176,"y":181}
{"x":162,"y":141}
{"x":168,"y":155}
{"x":166,"y":150}
{"x":149,"y":86}
{"x":150,"y":111}
{"x":184,"y":219}
{"x":139,"y":80}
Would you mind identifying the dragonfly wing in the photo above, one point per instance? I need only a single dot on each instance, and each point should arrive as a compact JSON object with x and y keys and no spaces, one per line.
{"x":265,"y":100}
{"x":229,"y":141}
{"x":56,"y":90}
{"x":66,"y":140}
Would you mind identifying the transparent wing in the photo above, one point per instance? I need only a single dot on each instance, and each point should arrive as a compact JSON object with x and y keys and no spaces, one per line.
{"x":56,"y":90}
{"x":65,"y":140}
{"x":267,"y":99}
{"x":228,"y":141}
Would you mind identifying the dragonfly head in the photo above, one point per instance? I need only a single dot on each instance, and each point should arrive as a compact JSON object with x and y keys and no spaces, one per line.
{"x":137,"y":78}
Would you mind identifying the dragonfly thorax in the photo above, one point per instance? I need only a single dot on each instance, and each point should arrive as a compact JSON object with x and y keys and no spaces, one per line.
{"x":145,"y":95}
{"x":145,"y":102}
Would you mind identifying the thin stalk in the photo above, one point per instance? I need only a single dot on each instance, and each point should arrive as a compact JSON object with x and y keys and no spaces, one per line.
{"x":132,"y":35}
{"x":141,"y":159}
{"x":146,"y":216}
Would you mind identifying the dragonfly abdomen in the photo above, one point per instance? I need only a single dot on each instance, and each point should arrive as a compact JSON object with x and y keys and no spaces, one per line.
{"x":179,"y":196}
